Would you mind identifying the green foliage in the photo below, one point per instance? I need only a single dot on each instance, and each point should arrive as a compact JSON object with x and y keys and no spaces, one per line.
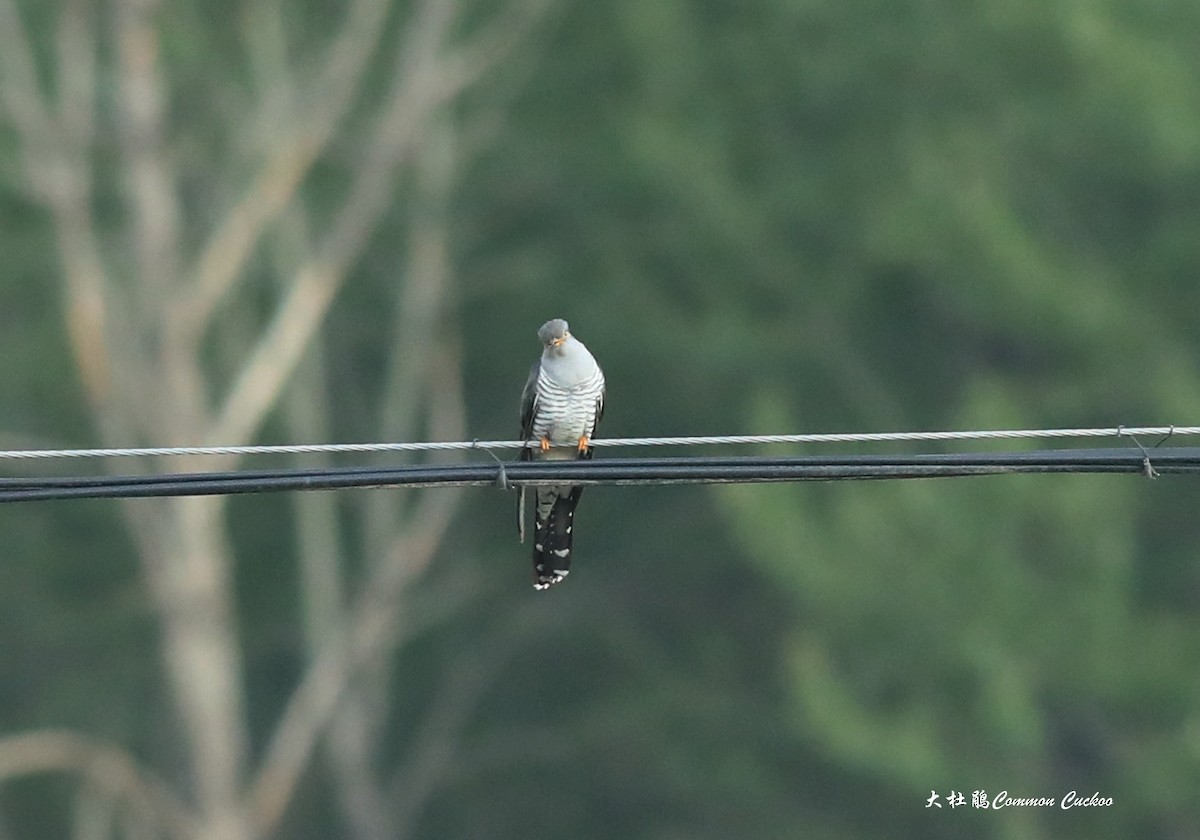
{"x":787,"y":215}
{"x":882,"y":216}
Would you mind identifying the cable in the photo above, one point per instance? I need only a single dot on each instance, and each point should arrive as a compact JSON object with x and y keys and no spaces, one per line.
{"x":617,"y":471}
{"x":709,"y":440}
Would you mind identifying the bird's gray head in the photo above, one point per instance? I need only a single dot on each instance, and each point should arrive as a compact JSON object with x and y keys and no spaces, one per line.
{"x":554,"y":332}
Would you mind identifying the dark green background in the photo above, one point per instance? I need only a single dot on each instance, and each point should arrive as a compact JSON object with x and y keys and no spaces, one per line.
{"x":765,"y":217}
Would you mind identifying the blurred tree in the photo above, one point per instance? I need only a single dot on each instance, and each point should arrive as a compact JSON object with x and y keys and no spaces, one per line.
{"x":186,"y":155}
{"x":327,"y":221}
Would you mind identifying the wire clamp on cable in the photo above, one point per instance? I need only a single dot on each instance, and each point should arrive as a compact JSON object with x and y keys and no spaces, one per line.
{"x":1147,"y":467}
{"x":501,"y":474}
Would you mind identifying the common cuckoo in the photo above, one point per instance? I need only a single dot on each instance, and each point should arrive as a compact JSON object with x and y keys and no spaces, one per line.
{"x":561,"y":405}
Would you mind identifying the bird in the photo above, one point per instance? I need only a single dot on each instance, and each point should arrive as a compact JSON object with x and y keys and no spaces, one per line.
{"x":561,"y":405}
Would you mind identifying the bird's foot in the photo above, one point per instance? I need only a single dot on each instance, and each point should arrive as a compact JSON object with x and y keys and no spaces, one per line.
{"x":544,"y":444}
{"x":584,"y":443}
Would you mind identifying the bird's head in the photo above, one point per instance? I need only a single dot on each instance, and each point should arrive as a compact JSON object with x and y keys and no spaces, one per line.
{"x":553,"y":333}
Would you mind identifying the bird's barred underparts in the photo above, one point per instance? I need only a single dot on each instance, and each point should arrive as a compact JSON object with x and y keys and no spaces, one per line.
{"x":564,"y":415}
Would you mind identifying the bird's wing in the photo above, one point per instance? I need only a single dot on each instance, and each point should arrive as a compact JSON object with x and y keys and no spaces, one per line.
{"x":599,"y":408}
{"x":599,"y":413}
{"x":529,"y":405}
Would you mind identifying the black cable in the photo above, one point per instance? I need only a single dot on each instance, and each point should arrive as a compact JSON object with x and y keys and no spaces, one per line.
{"x":619,"y":471}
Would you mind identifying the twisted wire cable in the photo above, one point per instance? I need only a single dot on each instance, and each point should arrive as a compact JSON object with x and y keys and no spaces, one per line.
{"x":616,"y":471}
{"x":700,"y":440}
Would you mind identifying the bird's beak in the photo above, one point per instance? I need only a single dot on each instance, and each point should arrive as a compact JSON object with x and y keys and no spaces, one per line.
{"x":558,"y":341}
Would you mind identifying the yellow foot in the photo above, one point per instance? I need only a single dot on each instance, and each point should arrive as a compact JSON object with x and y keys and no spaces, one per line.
{"x":545,"y":444}
{"x":584,"y":443}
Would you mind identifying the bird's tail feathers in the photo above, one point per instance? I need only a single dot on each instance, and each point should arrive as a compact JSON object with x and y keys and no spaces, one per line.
{"x":552,"y":537}
{"x":526,"y":455}
{"x":521,"y":513}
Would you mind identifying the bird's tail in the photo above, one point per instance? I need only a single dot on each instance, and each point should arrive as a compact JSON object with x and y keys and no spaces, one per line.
{"x":554,"y":522}
{"x":526,"y":455}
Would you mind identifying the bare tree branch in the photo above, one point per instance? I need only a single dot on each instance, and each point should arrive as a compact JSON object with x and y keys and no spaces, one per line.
{"x":351,"y":732}
{"x":151,"y":191}
{"x":287,"y":163}
{"x":86,"y":304}
{"x":106,"y":766}
{"x":353,"y":719}
{"x":413,"y":546}
{"x":256,"y":389}
{"x":372,"y":628}
{"x":419,"y":87}
{"x":371,"y":631}
{"x":55,"y":167}
{"x":500,"y":37}
{"x":421,"y":331}
{"x":76,"y":50}
{"x":140,"y":362}
{"x":19,"y":88}
{"x":193,"y":589}
{"x":414,"y":93}
{"x":485,"y":119}
{"x":92,"y":815}
{"x":360,"y":713}
{"x":418,"y":365}
{"x":148,"y":178}
{"x":353,"y":742}
{"x":203,"y":655}
{"x":436,"y":378}
{"x":467,"y":679}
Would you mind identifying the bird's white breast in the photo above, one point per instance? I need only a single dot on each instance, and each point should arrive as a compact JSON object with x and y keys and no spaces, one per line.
{"x":568,"y":388}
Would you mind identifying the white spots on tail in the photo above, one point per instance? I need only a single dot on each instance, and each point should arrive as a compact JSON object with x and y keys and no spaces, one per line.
{"x":545,"y":581}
